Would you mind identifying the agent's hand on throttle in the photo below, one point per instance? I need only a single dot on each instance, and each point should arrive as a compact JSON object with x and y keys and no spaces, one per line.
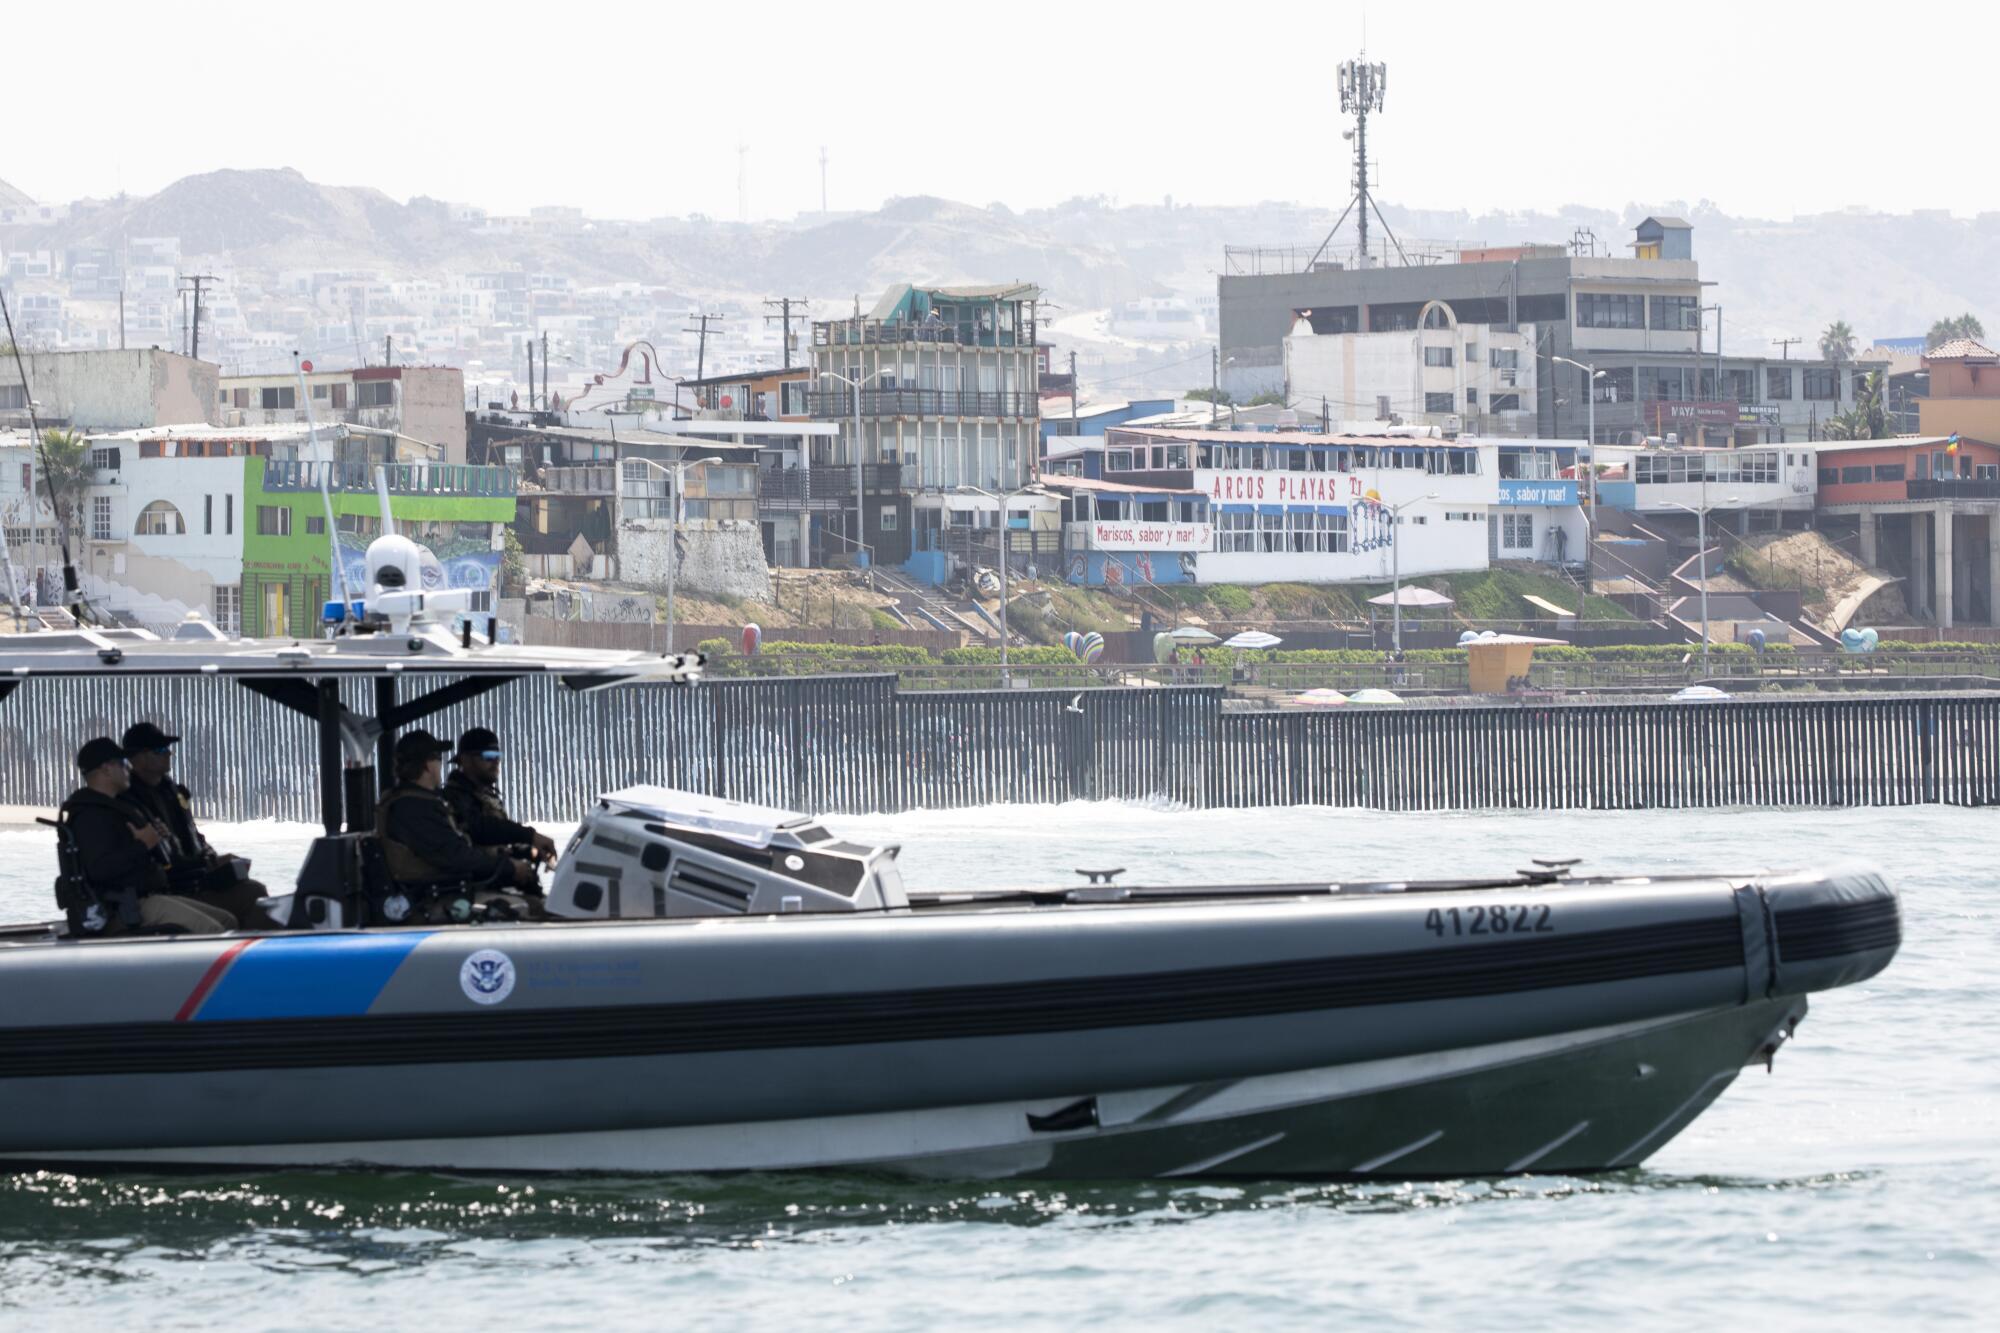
{"x":544,"y":847}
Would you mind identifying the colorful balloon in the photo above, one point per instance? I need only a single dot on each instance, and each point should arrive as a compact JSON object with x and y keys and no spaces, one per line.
{"x":753,"y":639}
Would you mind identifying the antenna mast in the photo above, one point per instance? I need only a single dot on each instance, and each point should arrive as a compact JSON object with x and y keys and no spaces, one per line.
{"x":1362,"y":84}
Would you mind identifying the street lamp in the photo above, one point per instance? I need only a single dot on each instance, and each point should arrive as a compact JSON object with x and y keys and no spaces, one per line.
{"x":1591,"y":375}
{"x":1396,"y":560}
{"x":1006,"y":542}
{"x":1701,"y":551}
{"x":860,"y":523}
{"x":678,"y":471}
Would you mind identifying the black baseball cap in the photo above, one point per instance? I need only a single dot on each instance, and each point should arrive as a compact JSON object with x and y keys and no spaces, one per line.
{"x":146,"y":736}
{"x":419,"y":744}
{"x":479,"y":740}
{"x":97,"y":753}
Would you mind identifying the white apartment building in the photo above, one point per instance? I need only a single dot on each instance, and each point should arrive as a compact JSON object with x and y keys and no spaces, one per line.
{"x":1456,"y":378}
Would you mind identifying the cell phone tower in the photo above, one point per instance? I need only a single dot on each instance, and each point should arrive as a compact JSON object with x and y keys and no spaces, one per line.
{"x":1362,"y":83}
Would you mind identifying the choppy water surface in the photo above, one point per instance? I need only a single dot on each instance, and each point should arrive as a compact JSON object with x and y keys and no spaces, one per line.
{"x":1858,"y":1186}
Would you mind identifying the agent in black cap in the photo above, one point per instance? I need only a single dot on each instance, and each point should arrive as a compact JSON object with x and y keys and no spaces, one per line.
{"x":473,"y":792}
{"x":424,"y":846}
{"x":194,"y":869}
{"x":121,"y":856}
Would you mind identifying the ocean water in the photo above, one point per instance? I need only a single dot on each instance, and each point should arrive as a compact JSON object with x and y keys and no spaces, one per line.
{"x":1856,"y":1187}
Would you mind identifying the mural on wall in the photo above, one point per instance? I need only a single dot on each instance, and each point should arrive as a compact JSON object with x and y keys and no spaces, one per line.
{"x":462,"y":562}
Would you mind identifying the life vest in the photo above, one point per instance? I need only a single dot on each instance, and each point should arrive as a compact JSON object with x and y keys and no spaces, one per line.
{"x":404,"y":864}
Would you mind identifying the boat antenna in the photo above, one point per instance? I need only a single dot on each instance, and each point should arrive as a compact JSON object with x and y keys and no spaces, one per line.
{"x":382,"y":497}
{"x":72,"y":594}
{"x":300,"y":368}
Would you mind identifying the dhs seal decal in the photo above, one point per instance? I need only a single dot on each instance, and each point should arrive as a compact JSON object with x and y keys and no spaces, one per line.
{"x":487,"y":977}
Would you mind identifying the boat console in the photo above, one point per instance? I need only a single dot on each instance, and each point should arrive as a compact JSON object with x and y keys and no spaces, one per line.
{"x":651,"y":852}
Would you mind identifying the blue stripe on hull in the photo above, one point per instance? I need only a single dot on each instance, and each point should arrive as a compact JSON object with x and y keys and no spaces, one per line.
{"x":309,"y":976}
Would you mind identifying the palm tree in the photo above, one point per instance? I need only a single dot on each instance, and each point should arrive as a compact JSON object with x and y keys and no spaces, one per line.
{"x":67,"y":473}
{"x":1868,"y":419}
{"x":1946,"y":330}
{"x":1836,"y":344}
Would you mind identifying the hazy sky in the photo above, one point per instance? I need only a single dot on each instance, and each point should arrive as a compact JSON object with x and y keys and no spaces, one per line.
{"x":1767,"y":108}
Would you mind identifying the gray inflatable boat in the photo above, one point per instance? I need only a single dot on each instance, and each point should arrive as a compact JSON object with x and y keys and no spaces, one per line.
{"x":725,"y":987}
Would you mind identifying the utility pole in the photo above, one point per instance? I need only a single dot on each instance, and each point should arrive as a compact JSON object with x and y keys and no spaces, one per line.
{"x":547,"y":379}
{"x":388,"y":349}
{"x":121,"y":317}
{"x":1072,"y":393}
{"x":785,"y":305}
{"x":1785,"y":346}
{"x":195,"y":280}
{"x":531,"y":374}
{"x":1214,"y":383}
{"x":701,"y":347}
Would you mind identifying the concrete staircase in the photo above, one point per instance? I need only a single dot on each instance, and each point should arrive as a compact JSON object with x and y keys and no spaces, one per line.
{"x":926,"y":608}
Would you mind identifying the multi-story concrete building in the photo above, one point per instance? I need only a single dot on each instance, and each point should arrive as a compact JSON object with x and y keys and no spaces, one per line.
{"x":1925,"y":507}
{"x":110,"y":390}
{"x":425,"y":403}
{"x":1478,"y":379}
{"x":945,"y":384}
{"x":1636,"y":321}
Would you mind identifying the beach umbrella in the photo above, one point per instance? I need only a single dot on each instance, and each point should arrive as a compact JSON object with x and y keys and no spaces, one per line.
{"x":1411,"y":596}
{"x":1192,"y":634}
{"x":1163,"y":648}
{"x":1252,"y":638}
{"x":1371,"y":695}
{"x":1698,"y":694}
{"x":1320,"y":698}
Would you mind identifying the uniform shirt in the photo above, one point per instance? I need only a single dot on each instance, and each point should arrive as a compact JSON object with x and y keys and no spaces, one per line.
{"x":478,"y":809}
{"x":426,"y":844}
{"x":112,"y":859}
{"x":167,"y":802}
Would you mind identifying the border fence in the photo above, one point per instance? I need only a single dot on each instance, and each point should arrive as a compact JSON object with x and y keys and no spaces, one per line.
{"x":853,"y":744}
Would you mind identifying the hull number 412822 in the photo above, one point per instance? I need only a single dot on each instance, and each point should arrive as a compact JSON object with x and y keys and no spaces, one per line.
{"x":1501,"y":919}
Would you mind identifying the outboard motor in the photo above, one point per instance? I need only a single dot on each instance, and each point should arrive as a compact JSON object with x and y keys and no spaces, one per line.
{"x":649,"y":852}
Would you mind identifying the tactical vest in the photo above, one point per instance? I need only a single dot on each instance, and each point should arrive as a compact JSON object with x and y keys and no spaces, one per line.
{"x":405,"y":866}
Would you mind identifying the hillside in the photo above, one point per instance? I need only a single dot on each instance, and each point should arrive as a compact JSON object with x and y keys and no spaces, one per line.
{"x":11,"y":197}
{"x":1887,"y":275}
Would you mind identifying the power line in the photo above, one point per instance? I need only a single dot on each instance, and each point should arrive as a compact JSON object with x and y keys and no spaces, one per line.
{"x":785,"y":305}
{"x":195,"y":280}
{"x":701,"y":348}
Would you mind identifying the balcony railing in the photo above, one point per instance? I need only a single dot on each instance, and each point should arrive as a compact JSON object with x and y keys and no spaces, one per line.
{"x":837,"y":403}
{"x":1954,"y":488}
{"x":404,"y":478}
{"x":832,"y":487}
{"x":865,"y":332}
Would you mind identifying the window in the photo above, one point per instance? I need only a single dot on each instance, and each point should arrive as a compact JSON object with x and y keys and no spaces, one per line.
{"x":1437,"y":402}
{"x":1153,"y":511}
{"x":793,"y":398}
{"x":1821,"y":382}
{"x":1941,"y":465}
{"x":1889,"y":472}
{"x":100,"y":518}
{"x":106,"y":460}
{"x":1597,"y":310}
{"x":228,"y":515}
{"x":1437,"y":356}
{"x":1235,"y":531}
{"x":274,"y":521}
{"x":1504,"y":358}
{"x":160,"y":519}
{"x":228,"y":608}
{"x":274,"y":399}
{"x":207,"y":515}
{"x":1829,"y":476}
{"x":239,"y":398}
{"x":1778,"y":383}
{"x":1117,"y":460}
{"x":1472,"y":398}
{"x":13,"y":398}
{"x":886,"y":518}
{"x":1517,"y":532}
{"x":337,"y":399}
{"x":1505,"y":402}
{"x":1738,"y":384}
{"x":1382,"y":412}
{"x":376,"y":393}
{"x":1271,"y":529}
{"x":316,"y":525}
{"x":1857,"y":473}
{"x":1675,"y":314}
{"x":319,"y":392}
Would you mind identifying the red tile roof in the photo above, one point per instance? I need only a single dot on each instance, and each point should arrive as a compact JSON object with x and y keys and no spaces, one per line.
{"x":1958,"y":349}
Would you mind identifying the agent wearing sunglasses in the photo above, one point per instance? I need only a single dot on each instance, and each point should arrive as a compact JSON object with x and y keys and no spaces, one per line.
{"x":194,"y":869}
{"x":473,"y":793}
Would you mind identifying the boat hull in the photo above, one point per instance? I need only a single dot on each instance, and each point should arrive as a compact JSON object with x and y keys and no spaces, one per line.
{"x":1281,"y":1037}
